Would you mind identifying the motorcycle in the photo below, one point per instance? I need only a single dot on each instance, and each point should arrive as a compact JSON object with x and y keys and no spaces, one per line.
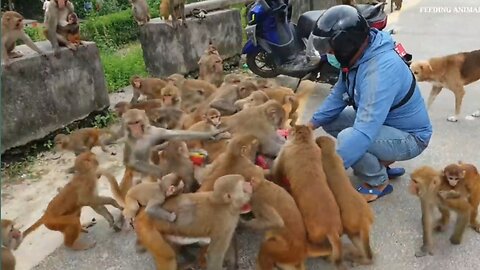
{"x":276,"y":46}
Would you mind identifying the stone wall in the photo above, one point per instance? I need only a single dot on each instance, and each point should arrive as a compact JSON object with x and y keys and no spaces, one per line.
{"x":41,"y":94}
{"x":167,"y":50}
{"x":301,"y":6}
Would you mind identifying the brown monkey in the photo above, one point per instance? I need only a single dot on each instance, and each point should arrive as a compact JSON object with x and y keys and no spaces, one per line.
{"x":141,"y":136}
{"x":285,"y":242}
{"x":211,"y":49}
{"x":193,"y":92}
{"x":356,"y":214}
{"x":81,"y":140}
{"x":12,"y":30}
{"x":425,"y":184}
{"x":286,"y":97}
{"x":227,"y":95}
{"x":174,"y":8}
{"x":146,"y":105}
{"x":233,"y":78}
{"x":211,"y":122}
{"x":212,"y":214}
{"x":322,"y":218}
{"x":140,"y":11}
{"x":56,"y":15}
{"x":256,"y":98}
{"x":71,"y":31}
{"x":263,"y":83}
{"x":237,"y":159}
{"x":262,"y":122}
{"x":11,"y":239}
{"x":175,"y":158}
{"x":148,"y":194}
{"x":453,"y":182}
{"x":462,"y":181}
{"x":63,"y":211}
{"x":211,"y":69}
{"x":149,"y":87}
{"x":167,"y":117}
{"x":170,"y":95}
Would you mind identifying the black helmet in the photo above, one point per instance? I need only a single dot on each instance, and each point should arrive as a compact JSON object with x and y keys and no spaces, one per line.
{"x":342,"y":29}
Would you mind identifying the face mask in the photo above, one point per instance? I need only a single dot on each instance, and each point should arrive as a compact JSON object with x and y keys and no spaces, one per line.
{"x":332,"y":60}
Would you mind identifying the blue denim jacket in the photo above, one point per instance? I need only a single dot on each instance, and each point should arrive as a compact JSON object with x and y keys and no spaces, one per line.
{"x":382,"y":81}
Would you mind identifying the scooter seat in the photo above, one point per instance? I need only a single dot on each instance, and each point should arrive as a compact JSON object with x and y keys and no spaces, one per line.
{"x":307,"y":22}
{"x":370,"y":11}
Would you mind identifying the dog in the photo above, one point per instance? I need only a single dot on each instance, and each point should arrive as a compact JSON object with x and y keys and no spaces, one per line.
{"x":451,"y":71}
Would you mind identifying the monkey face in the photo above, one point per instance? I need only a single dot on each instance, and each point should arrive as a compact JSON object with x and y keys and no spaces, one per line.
{"x":137,"y":83}
{"x":167,"y":100}
{"x":72,"y":18}
{"x":136,"y":129}
{"x":11,"y":236}
{"x":413,"y":187}
{"x":215,"y":120}
{"x":135,"y":121}
{"x":275,"y":113}
{"x":453,"y":179}
{"x":12,"y":20}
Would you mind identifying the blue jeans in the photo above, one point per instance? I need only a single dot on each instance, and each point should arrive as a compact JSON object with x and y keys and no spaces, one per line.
{"x":391,"y":144}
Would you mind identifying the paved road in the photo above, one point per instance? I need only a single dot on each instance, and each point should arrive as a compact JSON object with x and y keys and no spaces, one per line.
{"x":397,"y":231}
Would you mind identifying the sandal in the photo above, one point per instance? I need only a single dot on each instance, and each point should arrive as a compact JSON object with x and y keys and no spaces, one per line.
{"x":395,"y":172}
{"x":373,"y":191}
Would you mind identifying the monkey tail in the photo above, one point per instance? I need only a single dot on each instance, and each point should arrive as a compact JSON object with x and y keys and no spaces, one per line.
{"x":116,"y":192}
{"x":32,"y":228}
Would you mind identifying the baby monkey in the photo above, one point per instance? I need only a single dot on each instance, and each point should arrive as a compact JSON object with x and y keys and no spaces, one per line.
{"x":454,"y":186}
{"x":213,"y":118}
{"x":152,"y":195}
{"x":71,"y":31}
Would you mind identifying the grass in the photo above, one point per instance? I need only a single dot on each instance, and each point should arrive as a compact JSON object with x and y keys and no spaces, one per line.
{"x":119,"y":66}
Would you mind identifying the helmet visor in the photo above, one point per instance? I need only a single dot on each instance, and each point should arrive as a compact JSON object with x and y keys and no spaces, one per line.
{"x":320,"y":44}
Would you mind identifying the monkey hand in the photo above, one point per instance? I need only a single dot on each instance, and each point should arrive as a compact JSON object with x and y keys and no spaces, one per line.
{"x":172,"y":217}
{"x":218,"y":134}
{"x":449,"y":194}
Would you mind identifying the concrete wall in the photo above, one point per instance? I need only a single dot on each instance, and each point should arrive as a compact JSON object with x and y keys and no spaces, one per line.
{"x":301,"y":6}
{"x":167,"y":51}
{"x":43,"y":94}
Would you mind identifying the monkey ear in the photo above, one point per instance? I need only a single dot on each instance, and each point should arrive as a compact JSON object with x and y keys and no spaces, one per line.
{"x":227,"y":197}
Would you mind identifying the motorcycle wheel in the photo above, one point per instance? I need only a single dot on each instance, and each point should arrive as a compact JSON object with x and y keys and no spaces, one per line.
{"x":257,"y":63}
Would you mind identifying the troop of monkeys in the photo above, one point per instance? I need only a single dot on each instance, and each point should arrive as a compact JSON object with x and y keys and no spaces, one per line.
{"x":63,"y":29}
{"x":172,"y":199}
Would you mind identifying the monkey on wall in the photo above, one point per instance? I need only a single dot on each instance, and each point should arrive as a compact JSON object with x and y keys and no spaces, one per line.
{"x":140,"y":11}
{"x":12,"y":30}
{"x":56,"y":15}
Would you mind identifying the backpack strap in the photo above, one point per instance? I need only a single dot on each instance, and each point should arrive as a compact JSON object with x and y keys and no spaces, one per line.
{"x":408,"y":95}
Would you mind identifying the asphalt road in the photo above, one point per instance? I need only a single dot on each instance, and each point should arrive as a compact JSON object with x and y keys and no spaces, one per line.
{"x":397,"y":232}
